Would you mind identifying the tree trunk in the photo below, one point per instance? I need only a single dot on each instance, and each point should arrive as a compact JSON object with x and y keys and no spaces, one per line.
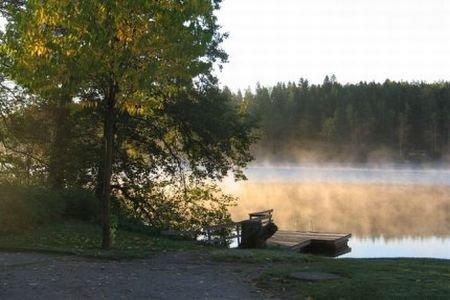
{"x":108,"y":138}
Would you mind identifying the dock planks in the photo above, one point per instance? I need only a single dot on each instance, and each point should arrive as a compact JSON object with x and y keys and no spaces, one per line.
{"x":330,"y":244}
{"x":312,"y":242}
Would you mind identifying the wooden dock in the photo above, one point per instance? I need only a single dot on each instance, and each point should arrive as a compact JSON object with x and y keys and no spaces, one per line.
{"x":330,"y":244}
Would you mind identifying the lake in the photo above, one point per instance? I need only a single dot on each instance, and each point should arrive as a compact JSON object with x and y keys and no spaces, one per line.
{"x":391,"y":212}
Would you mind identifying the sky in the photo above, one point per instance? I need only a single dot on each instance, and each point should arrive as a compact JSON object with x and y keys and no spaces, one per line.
{"x":357,"y":40}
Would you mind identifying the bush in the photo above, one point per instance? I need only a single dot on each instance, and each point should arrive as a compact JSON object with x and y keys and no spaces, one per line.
{"x":81,"y":204}
{"x":24,"y":207}
{"x":172,"y":205}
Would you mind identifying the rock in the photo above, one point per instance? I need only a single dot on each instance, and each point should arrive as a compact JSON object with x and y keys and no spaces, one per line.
{"x":314,"y":276}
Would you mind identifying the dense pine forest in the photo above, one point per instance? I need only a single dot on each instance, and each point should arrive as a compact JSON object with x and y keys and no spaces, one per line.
{"x":362,"y":123}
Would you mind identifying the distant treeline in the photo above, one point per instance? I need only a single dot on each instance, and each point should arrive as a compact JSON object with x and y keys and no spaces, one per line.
{"x":364,"y":122}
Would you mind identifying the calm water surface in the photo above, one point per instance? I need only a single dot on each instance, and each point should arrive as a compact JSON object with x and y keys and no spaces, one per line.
{"x":401,"y":212}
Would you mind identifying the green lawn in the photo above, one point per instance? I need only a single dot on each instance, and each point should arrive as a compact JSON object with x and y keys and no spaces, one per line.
{"x":361,"y":278}
{"x":83,"y":239}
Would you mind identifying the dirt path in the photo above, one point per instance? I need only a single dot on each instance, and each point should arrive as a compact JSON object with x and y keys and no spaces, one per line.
{"x":165,"y":276}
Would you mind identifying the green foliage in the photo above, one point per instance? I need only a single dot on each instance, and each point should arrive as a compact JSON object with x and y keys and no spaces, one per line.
{"x":134,"y":77}
{"x":24,"y":207}
{"x":352,"y":122}
{"x":80,"y":204}
{"x":23,"y":141}
{"x":129,"y":222}
{"x":114,"y":226}
{"x":173,"y":205}
{"x":140,"y":72}
{"x":164,"y":173}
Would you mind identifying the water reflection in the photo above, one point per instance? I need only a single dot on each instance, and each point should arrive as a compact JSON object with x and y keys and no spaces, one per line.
{"x":385,"y":219}
{"x":336,"y":174}
{"x":434,"y":247}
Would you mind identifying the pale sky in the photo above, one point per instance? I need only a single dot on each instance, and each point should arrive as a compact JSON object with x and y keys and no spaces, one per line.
{"x":357,"y":40}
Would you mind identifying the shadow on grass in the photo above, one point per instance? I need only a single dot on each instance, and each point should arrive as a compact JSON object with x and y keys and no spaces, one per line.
{"x":83,"y":239}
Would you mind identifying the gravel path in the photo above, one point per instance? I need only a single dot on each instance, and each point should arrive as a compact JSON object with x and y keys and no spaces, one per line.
{"x":166,"y":276}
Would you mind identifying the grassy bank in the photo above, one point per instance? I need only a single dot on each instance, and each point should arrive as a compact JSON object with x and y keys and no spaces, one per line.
{"x":359,"y":278}
{"x":35,"y":218}
{"x":402,"y":278}
{"x":82,"y":238}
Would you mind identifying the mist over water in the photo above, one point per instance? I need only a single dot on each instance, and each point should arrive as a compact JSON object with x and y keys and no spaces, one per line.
{"x":410,"y":175}
{"x":391,"y":212}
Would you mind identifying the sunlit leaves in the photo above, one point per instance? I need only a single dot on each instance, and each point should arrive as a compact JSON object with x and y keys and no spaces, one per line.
{"x":140,"y":42}
{"x":151,"y":62}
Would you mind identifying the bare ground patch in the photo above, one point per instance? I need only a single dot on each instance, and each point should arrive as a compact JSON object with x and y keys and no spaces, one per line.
{"x":172,"y":275}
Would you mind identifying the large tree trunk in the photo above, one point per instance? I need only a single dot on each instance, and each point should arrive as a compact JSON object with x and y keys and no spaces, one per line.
{"x":58,"y":156}
{"x":109,"y":123}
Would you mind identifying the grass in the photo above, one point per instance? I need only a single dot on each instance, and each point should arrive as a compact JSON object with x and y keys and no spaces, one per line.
{"x":260,"y":256}
{"x":401,"y":278}
{"x":360,"y":278}
{"x":81,"y":238}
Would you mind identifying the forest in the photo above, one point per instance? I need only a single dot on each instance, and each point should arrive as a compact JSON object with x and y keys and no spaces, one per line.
{"x":390,"y":122}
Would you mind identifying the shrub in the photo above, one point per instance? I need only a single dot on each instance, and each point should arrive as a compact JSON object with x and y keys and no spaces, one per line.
{"x":81,"y":204}
{"x":24,"y":207}
{"x":173,"y":205}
